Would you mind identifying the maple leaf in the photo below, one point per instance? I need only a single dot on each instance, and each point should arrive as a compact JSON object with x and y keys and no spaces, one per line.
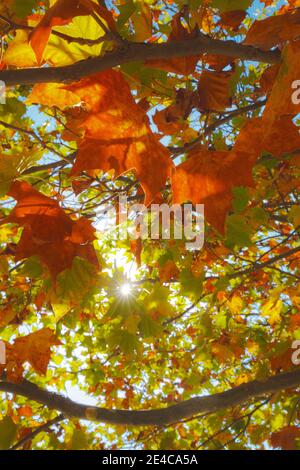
{"x":35,"y":349}
{"x":274,"y":30}
{"x":280,"y":100}
{"x":208,"y":178}
{"x":48,"y":231}
{"x":218,"y":62}
{"x":268,"y":78}
{"x":269,"y":139}
{"x":285,"y":438}
{"x":62,"y":13}
{"x":52,"y":94}
{"x":232,"y":19}
{"x":46,"y":219}
{"x":282,"y":361}
{"x":19,"y":52}
{"x":184,"y":65}
{"x":118,"y":135}
{"x":214,"y":91}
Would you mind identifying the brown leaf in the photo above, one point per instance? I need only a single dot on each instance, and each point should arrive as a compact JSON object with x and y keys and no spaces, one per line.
{"x":232,"y":19}
{"x":214,"y":91}
{"x":285,"y":438}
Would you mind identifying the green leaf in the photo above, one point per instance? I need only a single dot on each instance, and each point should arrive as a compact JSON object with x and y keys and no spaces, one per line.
{"x":238,"y":232}
{"x":240,"y":199}
{"x":8,"y":431}
{"x":231,"y":5}
{"x":23,"y":8}
{"x":294,"y":215}
{"x":79,"y":440}
{"x":148,"y":327}
{"x":12,"y":111}
{"x":75,"y":283}
{"x":190,"y":285}
{"x":126,"y":11}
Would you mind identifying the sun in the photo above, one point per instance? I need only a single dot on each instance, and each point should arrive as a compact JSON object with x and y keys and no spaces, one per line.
{"x":126,"y":289}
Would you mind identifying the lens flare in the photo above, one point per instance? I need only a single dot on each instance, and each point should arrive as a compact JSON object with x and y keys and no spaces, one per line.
{"x":126,"y":289}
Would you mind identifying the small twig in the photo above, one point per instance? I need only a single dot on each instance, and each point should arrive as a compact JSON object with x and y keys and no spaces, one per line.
{"x":37,"y":431}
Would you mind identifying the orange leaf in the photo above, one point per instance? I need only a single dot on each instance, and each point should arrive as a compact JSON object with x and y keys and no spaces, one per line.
{"x":280,"y":101}
{"x":52,"y":94}
{"x":34,"y":349}
{"x":183,"y":65}
{"x":48,"y":231}
{"x":46,"y":219}
{"x":168,"y":271}
{"x":268,"y":139}
{"x":274,"y":30}
{"x":118,"y":135}
{"x":268,"y":78}
{"x":218,"y":62}
{"x":282,"y":361}
{"x":208,"y":178}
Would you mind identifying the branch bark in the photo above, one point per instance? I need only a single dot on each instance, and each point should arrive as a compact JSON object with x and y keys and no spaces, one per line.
{"x":156,"y":417}
{"x":138,"y":52}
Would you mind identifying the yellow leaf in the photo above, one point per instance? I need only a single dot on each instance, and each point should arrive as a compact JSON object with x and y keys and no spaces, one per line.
{"x":272,"y":310}
{"x":235,"y":305}
{"x":19,"y":53}
{"x":60,"y":52}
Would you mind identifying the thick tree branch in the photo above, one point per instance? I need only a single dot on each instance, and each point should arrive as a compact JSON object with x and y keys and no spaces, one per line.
{"x":164,"y":416}
{"x":138,"y":52}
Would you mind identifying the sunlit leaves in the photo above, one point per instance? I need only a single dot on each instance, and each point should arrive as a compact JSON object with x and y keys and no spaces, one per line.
{"x":157,"y":324}
{"x":34,"y":349}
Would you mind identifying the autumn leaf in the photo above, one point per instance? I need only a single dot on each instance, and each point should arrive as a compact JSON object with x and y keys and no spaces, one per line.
{"x":48,"y":231}
{"x":19,"y":52}
{"x":268,"y":78}
{"x":232,"y":19}
{"x":280,"y":101}
{"x":96,"y":104}
{"x":285,"y":438}
{"x":268,"y":139}
{"x":118,"y":135}
{"x":184,"y":65}
{"x":208,"y":178}
{"x":52,"y":94}
{"x":34,"y":349}
{"x":62,"y":13}
{"x":214,"y":91}
{"x":274,"y":30}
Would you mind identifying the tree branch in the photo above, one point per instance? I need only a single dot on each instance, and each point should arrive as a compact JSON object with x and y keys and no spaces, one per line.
{"x":215,"y":125}
{"x":138,"y":52}
{"x":156,"y":417}
{"x":35,"y":432}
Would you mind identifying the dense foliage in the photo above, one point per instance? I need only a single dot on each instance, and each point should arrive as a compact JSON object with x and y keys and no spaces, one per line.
{"x":108,"y":98}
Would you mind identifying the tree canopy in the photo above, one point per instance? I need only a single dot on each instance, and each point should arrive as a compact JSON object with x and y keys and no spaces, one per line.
{"x":142,"y":343}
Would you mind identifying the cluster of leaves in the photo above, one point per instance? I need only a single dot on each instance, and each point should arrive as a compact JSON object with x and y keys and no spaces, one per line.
{"x":207,"y":129}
